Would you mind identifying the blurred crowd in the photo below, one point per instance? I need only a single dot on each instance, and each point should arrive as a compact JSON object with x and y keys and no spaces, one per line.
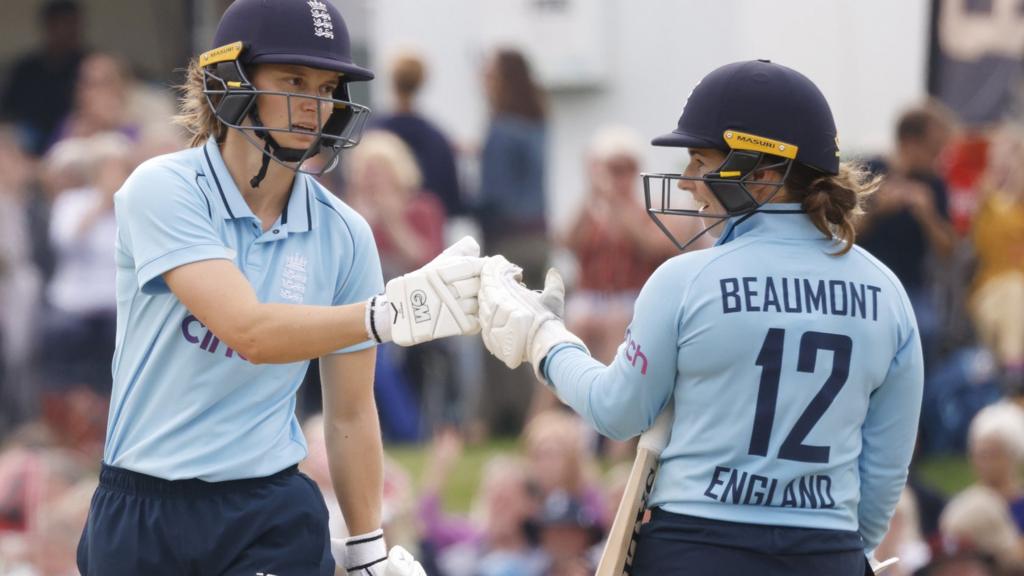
{"x":948,"y":220}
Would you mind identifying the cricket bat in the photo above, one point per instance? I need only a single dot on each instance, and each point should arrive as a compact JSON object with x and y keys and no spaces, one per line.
{"x":620,"y":548}
{"x":879,"y":567}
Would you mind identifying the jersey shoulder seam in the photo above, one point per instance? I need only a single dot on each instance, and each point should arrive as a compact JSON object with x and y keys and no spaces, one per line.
{"x":329,"y":203}
{"x":180,"y":165}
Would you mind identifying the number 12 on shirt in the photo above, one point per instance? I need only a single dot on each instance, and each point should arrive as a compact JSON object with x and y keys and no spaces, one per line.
{"x":770,"y":361}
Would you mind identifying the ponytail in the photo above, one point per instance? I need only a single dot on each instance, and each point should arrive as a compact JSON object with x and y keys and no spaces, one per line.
{"x":833,"y":202}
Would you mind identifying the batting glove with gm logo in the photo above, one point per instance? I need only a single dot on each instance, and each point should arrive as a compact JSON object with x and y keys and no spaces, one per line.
{"x":436,"y":301}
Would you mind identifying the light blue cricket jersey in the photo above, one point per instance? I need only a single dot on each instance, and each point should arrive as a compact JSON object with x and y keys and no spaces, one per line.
{"x":184,"y":404}
{"x":796,"y":379}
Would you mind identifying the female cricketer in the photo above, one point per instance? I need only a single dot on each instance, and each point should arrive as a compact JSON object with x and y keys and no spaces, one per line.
{"x":234,"y":268}
{"x":790,"y":356}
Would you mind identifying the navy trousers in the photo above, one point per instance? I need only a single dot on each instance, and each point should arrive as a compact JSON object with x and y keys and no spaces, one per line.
{"x":138,"y":524}
{"x":686,"y":545}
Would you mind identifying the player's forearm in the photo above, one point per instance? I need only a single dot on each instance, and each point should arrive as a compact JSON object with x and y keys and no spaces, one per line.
{"x":271,"y":333}
{"x":879,"y":493}
{"x":615,"y":406}
{"x":355,"y":456}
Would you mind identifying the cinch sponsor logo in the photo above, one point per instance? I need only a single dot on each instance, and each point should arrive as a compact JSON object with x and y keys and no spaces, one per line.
{"x":633,"y":353}
{"x":196,"y":333}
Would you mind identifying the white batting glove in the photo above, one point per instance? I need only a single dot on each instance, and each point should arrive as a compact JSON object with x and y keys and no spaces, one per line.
{"x":367,"y":555}
{"x":520,"y":324}
{"x":438,"y":300}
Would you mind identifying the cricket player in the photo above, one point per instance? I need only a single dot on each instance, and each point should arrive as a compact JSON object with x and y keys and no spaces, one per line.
{"x":791,"y":356}
{"x":234,"y":268}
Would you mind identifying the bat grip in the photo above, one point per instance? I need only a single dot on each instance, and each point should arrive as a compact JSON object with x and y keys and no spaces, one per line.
{"x":656,"y":437}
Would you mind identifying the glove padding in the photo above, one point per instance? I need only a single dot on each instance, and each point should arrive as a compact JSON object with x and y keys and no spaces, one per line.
{"x":438,"y":300}
{"x":517,"y":323}
{"x":367,"y":554}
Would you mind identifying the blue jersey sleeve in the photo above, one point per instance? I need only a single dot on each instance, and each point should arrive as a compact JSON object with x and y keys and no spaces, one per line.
{"x":888,"y":436}
{"x":623,"y":399}
{"x":361,"y":278}
{"x":164,"y":221}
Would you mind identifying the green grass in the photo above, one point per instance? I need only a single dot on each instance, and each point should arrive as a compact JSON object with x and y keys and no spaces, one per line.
{"x":948,"y":474}
{"x":462,"y":484}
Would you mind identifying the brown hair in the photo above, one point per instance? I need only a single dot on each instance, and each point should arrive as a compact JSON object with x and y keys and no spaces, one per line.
{"x":915,"y":123}
{"x":194,"y":113}
{"x":833,"y":202}
{"x":515,"y":92}
{"x":407,"y":73}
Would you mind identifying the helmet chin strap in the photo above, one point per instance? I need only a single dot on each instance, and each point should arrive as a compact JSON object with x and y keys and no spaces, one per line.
{"x":272,"y":148}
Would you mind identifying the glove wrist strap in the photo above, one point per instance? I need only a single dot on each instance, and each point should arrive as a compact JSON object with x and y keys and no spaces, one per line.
{"x":365,"y":550}
{"x":377,"y":320}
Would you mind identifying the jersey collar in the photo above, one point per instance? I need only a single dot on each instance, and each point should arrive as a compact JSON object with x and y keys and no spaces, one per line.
{"x":297,"y":213}
{"x":781,"y":220}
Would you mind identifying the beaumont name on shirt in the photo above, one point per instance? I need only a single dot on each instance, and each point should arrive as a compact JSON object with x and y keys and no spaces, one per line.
{"x":800,"y":296}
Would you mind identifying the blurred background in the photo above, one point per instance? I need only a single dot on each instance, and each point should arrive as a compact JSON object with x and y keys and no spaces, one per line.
{"x":526,"y":124}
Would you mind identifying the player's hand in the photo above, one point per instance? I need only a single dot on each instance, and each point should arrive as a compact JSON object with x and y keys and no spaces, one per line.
{"x":438,"y":300}
{"x":366,"y":555}
{"x":517,"y":323}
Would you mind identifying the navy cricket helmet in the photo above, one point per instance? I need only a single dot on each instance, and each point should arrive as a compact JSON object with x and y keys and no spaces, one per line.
{"x":300,"y":32}
{"x":764,"y":116}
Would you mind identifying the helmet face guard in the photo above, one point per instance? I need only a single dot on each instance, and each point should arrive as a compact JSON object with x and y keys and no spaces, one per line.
{"x":759,"y":113}
{"x":232,"y":98}
{"x":728,"y":184}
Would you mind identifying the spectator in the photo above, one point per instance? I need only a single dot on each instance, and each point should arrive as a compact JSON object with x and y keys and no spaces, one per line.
{"x":997,"y":299}
{"x":512,"y":212}
{"x":568,"y":532}
{"x":558,"y":460}
{"x":996,"y":450}
{"x":512,"y":172}
{"x":907,"y":220}
{"x":433,"y":152}
{"x":505,"y":506}
{"x":101,"y":100}
{"x":494,"y":541}
{"x":960,"y":563}
{"x":385,"y":187}
{"x":81,"y":328}
{"x":978,"y":517}
{"x":53,"y":546}
{"x":19,"y":283}
{"x":40,"y":516}
{"x":615,"y":243}
{"x":38,"y":92}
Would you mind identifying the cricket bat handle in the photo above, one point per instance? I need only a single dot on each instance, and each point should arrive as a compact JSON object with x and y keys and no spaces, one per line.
{"x":656,"y":437}
{"x":620,"y":548}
